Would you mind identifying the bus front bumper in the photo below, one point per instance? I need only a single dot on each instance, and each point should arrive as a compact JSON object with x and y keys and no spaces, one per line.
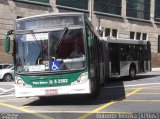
{"x":83,"y":88}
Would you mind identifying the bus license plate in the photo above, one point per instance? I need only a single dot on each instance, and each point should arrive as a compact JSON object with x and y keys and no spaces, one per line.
{"x":51,"y":91}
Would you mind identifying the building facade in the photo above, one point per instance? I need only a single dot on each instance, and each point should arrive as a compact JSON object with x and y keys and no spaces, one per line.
{"x":129,"y":19}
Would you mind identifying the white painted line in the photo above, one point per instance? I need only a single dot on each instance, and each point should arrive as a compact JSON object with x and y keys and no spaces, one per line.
{"x":2,"y":89}
{"x":9,"y":90}
{"x":7,"y":96}
{"x":3,"y":84}
{"x":5,"y":91}
{"x":145,"y":84}
{"x":136,"y":85}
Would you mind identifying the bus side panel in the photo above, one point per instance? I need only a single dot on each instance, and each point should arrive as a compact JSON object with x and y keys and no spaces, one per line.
{"x":103,"y":61}
{"x":125,"y":66}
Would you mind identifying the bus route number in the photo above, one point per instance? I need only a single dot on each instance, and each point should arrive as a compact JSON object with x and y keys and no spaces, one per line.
{"x":60,"y":81}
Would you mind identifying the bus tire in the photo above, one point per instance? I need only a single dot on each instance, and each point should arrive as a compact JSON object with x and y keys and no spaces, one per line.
{"x":132,"y":72}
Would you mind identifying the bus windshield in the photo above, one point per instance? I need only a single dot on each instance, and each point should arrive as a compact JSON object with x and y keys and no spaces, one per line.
{"x":50,"y":51}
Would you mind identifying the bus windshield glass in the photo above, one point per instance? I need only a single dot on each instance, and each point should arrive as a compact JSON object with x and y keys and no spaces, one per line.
{"x":50,"y":51}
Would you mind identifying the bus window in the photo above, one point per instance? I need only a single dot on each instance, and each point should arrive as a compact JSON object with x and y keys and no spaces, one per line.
{"x":125,"y":52}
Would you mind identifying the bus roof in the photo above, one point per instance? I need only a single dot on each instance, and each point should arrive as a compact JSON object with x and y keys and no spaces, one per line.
{"x":51,"y":14}
{"x":123,"y":41}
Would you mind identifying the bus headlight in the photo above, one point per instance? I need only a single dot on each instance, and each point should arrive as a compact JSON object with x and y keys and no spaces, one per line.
{"x":82,"y":79}
{"x":21,"y":83}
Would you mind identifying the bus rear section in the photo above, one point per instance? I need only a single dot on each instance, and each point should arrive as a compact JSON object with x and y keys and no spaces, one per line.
{"x":128,"y":57}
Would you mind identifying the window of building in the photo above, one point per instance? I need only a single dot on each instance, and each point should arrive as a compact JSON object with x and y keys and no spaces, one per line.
{"x":114,"y":33}
{"x":158,"y":43}
{"x":144,"y":36}
{"x":42,"y":2}
{"x":132,"y":35}
{"x":138,"y":9}
{"x":138,"y":35}
{"x":107,"y":31}
{"x":108,"y":6}
{"x":111,"y":32}
{"x":157,"y":9}
{"x":80,"y":4}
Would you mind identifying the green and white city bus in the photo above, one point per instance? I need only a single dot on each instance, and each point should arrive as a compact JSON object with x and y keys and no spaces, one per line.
{"x":62,"y":54}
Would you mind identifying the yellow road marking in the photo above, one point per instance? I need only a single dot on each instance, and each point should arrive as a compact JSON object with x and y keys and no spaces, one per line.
{"x":147,"y":93}
{"x":27,"y":111}
{"x":106,"y":105}
{"x":133,"y":92}
{"x":130,"y":88}
{"x":3,"y":101}
{"x":24,"y":107}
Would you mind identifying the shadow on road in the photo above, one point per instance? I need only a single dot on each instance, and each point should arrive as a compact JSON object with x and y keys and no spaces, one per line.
{"x":106,"y":95}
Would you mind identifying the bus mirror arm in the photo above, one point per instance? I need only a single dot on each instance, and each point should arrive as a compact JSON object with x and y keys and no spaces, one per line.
{"x":10,"y":32}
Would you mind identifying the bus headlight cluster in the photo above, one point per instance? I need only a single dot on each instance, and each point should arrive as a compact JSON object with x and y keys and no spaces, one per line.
{"x":82,"y":79}
{"x":19,"y":81}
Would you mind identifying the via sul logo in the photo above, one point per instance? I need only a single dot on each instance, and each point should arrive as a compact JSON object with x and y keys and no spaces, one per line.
{"x":54,"y":65}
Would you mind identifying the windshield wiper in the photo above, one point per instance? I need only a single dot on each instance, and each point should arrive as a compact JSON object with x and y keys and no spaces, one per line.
{"x":62,"y":37}
{"x":33,"y":35}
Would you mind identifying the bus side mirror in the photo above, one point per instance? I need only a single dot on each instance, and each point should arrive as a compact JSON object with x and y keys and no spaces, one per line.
{"x":7,"y":41}
{"x":7,"y":44}
{"x":90,"y":42}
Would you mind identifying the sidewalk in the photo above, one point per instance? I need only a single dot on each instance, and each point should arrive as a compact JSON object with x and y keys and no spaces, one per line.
{"x":156,"y":69}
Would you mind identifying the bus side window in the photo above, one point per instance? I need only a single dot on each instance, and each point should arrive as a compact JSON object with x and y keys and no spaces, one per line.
{"x":134,"y":52}
{"x":131,"y":52}
{"x":125,"y":52}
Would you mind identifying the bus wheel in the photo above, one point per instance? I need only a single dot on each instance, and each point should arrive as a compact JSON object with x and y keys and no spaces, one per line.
{"x":7,"y":77}
{"x":132,"y":72}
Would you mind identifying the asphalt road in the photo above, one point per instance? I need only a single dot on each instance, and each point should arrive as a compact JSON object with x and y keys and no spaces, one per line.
{"x":122,"y":99}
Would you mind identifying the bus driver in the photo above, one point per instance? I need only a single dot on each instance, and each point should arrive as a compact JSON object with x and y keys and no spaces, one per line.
{"x":76,"y":52}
